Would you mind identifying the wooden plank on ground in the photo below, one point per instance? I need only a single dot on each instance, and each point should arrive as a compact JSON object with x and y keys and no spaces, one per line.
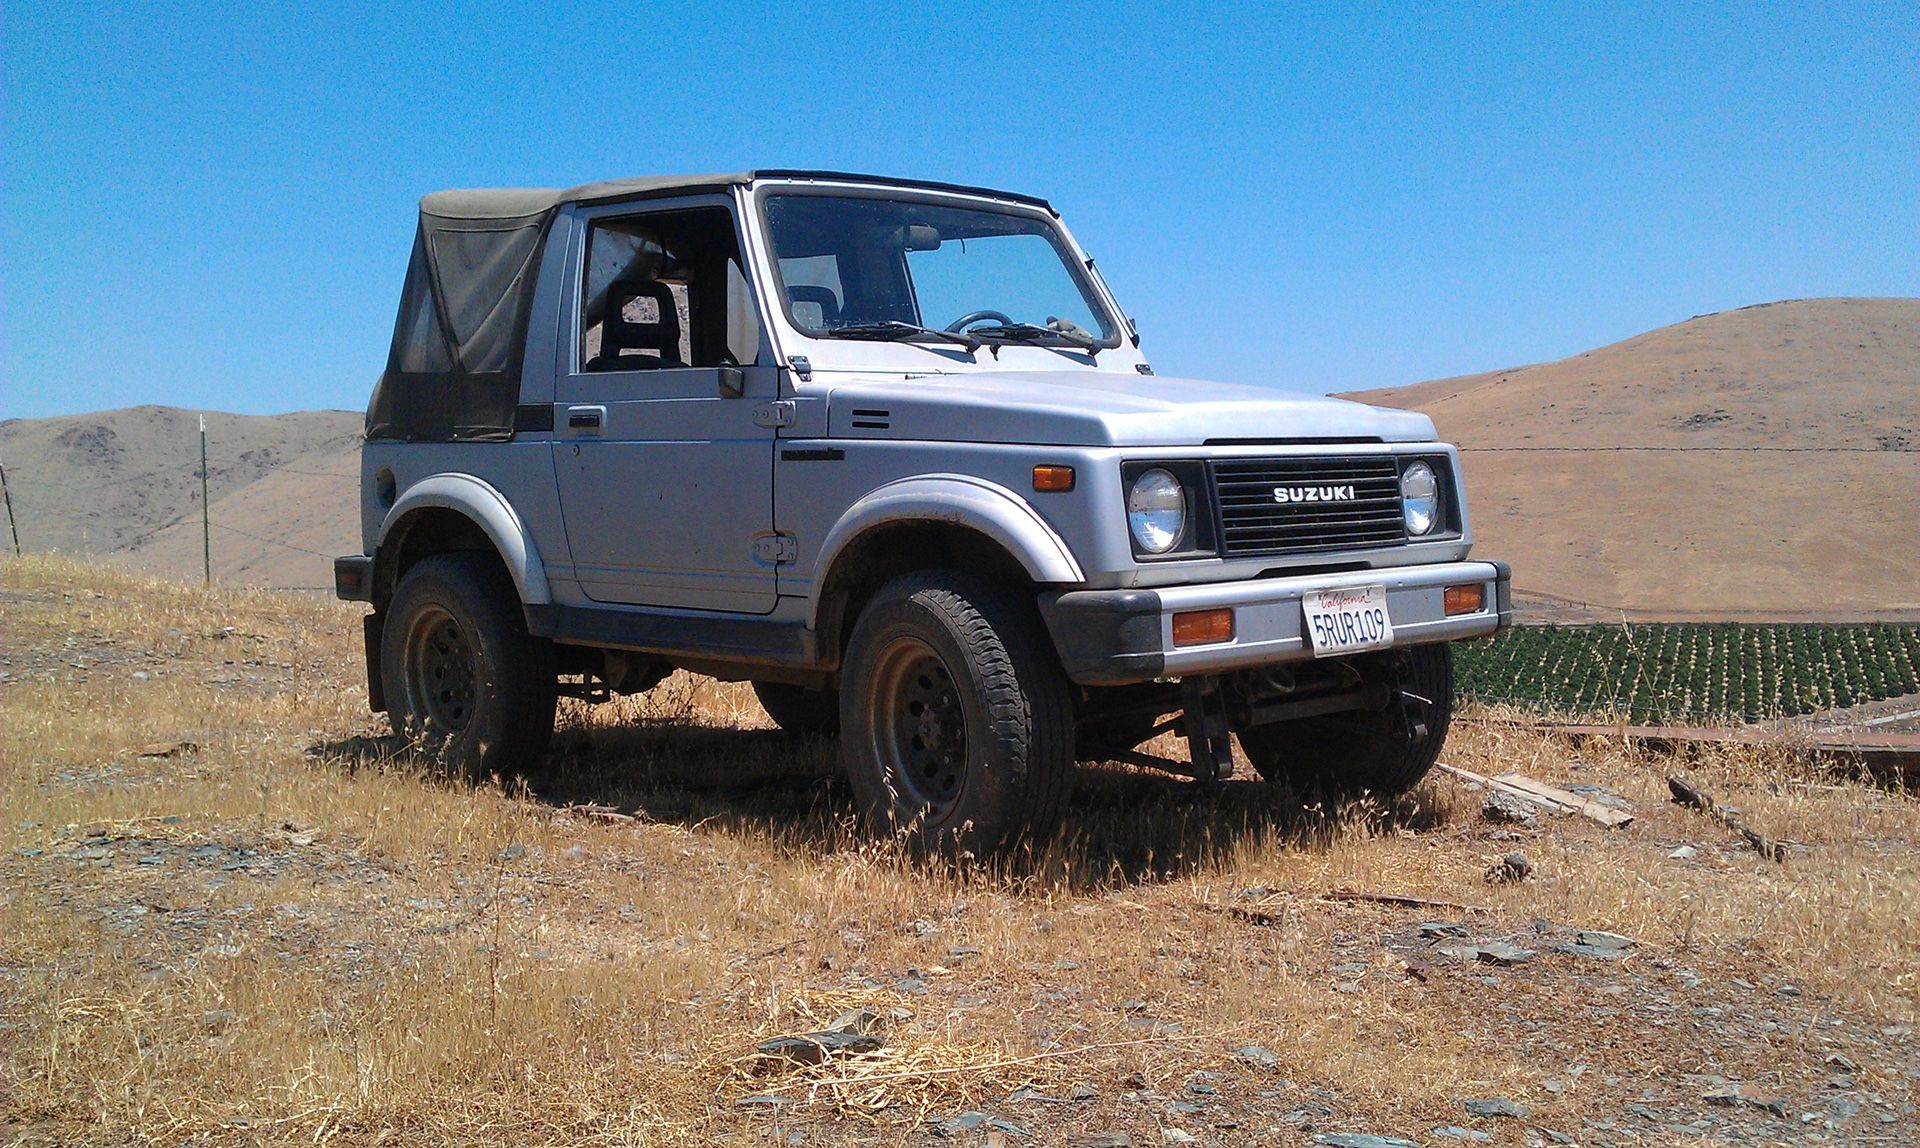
{"x":1548,"y":797}
{"x":1592,"y":810}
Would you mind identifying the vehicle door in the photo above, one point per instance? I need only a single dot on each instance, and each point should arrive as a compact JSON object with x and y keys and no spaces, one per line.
{"x":665,"y":472}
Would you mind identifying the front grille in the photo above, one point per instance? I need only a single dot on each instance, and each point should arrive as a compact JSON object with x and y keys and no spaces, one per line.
{"x":1254,"y":522}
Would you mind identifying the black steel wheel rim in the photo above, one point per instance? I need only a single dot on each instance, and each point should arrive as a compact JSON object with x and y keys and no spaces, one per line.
{"x":919,"y":728}
{"x":442,"y":672}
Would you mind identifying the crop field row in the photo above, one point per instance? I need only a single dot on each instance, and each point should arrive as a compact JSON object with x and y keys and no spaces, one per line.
{"x":1676,"y":672}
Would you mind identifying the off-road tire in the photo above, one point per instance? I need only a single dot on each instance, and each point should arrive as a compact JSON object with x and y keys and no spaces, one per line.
{"x":1349,"y":755}
{"x":798,"y":710}
{"x":466,"y":684}
{"x":1009,"y":703}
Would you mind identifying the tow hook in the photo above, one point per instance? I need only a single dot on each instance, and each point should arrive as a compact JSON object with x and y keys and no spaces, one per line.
{"x":1413,"y":717}
{"x":1209,"y":741}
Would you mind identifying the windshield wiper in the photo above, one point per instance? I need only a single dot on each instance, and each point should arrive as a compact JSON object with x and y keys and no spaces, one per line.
{"x":1033,"y":333}
{"x":895,"y":331}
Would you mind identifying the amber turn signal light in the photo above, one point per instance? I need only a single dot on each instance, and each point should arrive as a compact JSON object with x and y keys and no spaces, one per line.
{"x":1202,"y":627}
{"x":1053,"y":478}
{"x":1464,"y":599}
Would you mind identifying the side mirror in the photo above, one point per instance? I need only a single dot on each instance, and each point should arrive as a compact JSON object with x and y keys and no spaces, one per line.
{"x":733,"y":382}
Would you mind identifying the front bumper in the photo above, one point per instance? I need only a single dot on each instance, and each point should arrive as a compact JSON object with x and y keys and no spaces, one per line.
{"x":1113,"y":637}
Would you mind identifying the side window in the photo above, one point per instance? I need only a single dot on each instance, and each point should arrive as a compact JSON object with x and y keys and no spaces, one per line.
{"x":665,"y":289}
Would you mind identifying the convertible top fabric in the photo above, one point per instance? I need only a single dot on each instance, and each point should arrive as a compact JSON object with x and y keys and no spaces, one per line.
{"x":516,"y":202}
{"x":453,"y":371}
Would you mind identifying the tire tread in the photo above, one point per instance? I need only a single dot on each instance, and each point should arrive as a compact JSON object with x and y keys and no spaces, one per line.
{"x":1029,"y":708}
{"x":525,"y":679}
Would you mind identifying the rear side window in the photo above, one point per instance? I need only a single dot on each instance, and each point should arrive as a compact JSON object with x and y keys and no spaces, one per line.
{"x":664,"y":290}
{"x":419,"y":345}
{"x":481,"y":272}
{"x":453,"y":369}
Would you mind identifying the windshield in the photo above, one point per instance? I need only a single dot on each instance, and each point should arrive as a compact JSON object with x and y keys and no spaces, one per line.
{"x":860,"y":267}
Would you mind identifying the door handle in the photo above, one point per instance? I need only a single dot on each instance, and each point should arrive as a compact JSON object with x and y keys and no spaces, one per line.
{"x":586,"y":418}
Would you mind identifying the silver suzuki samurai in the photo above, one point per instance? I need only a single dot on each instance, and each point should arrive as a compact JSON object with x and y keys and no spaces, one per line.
{"x":888,"y":450}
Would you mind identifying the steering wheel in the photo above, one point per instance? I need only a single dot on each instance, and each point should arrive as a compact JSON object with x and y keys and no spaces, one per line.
{"x":972,"y":317}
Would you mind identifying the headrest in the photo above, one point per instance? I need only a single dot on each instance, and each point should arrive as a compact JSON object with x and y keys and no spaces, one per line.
{"x":661,"y":333}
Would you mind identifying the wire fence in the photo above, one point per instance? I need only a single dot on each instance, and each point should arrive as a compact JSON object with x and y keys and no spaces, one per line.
{"x":34,"y":509}
{"x":1891,"y":448}
{"x":30,"y":505}
{"x":272,"y":541}
{"x":1743,"y":666}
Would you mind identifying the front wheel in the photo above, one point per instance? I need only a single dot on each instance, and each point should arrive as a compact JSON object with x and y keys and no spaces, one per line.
{"x":1382,"y":752}
{"x":956,"y":720}
{"x":465,"y":682}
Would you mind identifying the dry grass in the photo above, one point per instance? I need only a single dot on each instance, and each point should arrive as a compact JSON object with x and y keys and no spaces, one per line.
{"x":287,"y":934}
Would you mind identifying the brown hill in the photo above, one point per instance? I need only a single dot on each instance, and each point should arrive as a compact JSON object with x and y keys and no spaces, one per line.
{"x":126,"y":483}
{"x":1763,"y":461}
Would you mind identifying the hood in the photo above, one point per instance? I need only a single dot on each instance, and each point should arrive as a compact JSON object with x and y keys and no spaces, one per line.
{"x":1101,"y":408}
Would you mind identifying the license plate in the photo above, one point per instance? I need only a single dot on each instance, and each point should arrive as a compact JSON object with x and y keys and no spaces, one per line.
{"x":1346,"y":621}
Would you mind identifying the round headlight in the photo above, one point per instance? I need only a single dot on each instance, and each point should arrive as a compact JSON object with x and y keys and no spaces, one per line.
{"x":1156,"y":511}
{"x":1420,"y":498}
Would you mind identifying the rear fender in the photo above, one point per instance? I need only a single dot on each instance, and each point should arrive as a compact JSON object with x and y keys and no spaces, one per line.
{"x":488,"y":509}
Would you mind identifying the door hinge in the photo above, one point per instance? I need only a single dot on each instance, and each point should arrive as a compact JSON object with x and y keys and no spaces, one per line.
{"x":775,"y":549}
{"x":802,"y":367}
{"x":778,"y":413}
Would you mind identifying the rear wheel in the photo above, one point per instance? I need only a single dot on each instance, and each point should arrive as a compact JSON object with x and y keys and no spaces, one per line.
{"x":797,"y":709}
{"x":465,"y":682}
{"x":1379,"y":752}
{"x":957,"y":723}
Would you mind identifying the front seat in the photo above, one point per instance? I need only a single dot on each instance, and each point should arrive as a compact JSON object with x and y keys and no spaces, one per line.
{"x":619,"y":334}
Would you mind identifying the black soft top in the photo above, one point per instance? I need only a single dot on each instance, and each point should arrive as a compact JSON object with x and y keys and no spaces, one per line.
{"x":518,"y":202}
{"x":453,"y":371}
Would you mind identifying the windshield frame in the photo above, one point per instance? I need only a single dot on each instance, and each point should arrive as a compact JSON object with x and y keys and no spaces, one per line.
{"x":1091,"y":287}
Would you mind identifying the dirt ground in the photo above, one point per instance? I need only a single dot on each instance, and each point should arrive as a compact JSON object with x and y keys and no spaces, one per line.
{"x":233,"y":915}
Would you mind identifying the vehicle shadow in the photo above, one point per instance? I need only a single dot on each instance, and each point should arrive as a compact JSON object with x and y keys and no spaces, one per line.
{"x":1124,"y":826}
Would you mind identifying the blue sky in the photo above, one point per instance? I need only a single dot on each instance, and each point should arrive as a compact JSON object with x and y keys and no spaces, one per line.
{"x":210,"y":205}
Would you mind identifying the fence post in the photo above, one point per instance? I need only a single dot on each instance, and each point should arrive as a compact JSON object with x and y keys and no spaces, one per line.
{"x":206,"y":524}
{"x":13,"y":524}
